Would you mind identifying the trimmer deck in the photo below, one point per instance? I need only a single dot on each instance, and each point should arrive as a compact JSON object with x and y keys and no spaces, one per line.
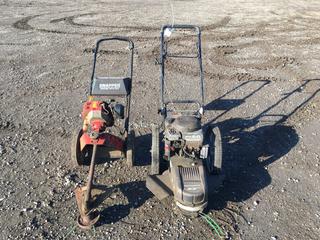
{"x":162,"y":187}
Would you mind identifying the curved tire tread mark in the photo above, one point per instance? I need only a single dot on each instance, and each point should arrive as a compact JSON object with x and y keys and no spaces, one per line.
{"x":23,"y":24}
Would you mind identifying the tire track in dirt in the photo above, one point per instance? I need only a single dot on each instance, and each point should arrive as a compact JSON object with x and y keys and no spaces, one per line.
{"x":23,"y":24}
{"x":223,"y":51}
{"x":104,"y":52}
{"x":219,"y":58}
{"x":19,"y":44}
{"x":71,"y":20}
{"x":260,"y":30}
{"x":220,"y":53}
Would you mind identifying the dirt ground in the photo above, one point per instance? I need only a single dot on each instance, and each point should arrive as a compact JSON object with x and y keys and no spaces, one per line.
{"x":261,"y":62}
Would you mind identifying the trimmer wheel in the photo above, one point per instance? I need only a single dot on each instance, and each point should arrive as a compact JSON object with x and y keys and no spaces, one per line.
{"x":76,"y":155}
{"x":155,"y":148}
{"x":130,"y":148}
{"x":214,"y":161}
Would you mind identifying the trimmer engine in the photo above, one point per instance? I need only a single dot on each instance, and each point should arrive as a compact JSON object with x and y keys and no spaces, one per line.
{"x":97,"y":116}
{"x":188,"y":141}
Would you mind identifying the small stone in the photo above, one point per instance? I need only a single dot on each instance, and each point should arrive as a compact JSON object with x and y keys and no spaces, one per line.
{"x":256,"y":203}
{"x":113,"y":196}
{"x":67,"y":181}
{"x":37,"y":204}
{"x":27,"y":209}
{"x":13,"y":150}
{"x":2,"y":150}
{"x":274,"y":238}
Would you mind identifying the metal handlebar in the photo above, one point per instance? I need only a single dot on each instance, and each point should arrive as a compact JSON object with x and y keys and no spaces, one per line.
{"x":178,"y":101}
{"x":163,"y":55}
{"x":116,"y":38}
{"x":181,"y":26}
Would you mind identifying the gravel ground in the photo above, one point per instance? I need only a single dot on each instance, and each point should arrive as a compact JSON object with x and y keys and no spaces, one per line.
{"x":261,"y":66}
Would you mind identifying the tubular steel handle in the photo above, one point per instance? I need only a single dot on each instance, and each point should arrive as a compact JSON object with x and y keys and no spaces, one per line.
{"x":178,"y":101}
{"x":181,"y":26}
{"x":163,"y":55}
{"x":105,"y":39}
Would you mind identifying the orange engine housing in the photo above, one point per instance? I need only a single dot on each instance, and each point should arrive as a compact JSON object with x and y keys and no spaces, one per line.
{"x":92,"y":116}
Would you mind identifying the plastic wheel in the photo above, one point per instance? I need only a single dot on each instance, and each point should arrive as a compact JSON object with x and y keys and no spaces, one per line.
{"x":76,"y":155}
{"x":86,"y":155}
{"x":130,"y":148}
{"x":214,"y":160}
{"x":155,"y":154}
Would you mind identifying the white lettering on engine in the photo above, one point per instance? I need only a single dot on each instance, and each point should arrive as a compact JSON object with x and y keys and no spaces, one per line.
{"x":193,"y":137}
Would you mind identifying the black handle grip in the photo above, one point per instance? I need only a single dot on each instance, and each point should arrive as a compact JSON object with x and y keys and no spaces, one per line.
{"x":115,"y":38}
{"x":181,"y":26}
{"x":179,"y":101}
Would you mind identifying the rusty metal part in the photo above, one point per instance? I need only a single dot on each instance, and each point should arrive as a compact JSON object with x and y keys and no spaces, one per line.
{"x":88,"y":217}
{"x":91,"y":172}
{"x":87,"y":221}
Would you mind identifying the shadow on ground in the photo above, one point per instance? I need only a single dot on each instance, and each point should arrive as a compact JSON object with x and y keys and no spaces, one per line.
{"x":136,"y":194}
{"x":142,"y":147}
{"x":249,"y":149}
{"x":246,"y":156}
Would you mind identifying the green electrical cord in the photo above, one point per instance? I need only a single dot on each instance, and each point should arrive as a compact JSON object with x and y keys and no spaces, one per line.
{"x":213,"y":224}
{"x":94,"y":231}
{"x":71,"y":230}
{"x":217,"y":225}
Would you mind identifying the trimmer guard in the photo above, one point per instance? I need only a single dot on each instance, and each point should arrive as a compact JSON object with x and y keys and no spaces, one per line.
{"x":190,"y":186}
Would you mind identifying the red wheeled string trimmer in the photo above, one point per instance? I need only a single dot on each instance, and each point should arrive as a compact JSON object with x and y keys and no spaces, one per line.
{"x":192,"y":153}
{"x":100,"y":114}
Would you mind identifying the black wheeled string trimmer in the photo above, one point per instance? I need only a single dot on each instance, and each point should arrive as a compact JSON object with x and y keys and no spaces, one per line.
{"x":192,"y":153}
{"x":100,"y":113}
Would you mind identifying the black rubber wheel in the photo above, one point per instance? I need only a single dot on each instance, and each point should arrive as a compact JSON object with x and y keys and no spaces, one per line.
{"x":214,"y":160}
{"x":155,"y":151}
{"x":76,"y":155}
{"x":130,"y":148}
{"x":86,"y":155}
